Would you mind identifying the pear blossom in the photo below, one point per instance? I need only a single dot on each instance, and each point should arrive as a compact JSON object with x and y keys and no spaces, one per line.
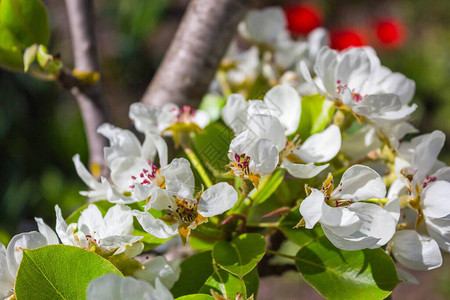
{"x":168,"y":120}
{"x":263,"y":127}
{"x":11,"y":256}
{"x":112,"y":233}
{"x":415,"y":251}
{"x":113,"y":286}
{"x":347,"y":221}
{"x":167,"y":272}
{"x":242,"y":67}
{"x":182,"y":211}
{"x":356,"y":79}
{"x":263,"y":26}
{"x":126,"y":158}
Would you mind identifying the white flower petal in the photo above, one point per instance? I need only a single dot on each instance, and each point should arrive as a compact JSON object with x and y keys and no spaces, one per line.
{"x":263,"y":157}
{"x":201,"y":118}
{"x":6,"y":280}
{"x":406,"y":277}
{"x":61,"y":228}
{"x":399,"y":84}
{"x":284,"y":103}
{"x":360,"y":183}
{"x":263,"y":26}
{"x":84,"y":174}
{"x":149,"y":119}
{"x":349,"y":243}
{"x":122,"y":143}
{"x":439,"y":230}
{"x":179,"y":178}
{"x":353,"y":68}
{"x":154,"y":144}
{"x":45,"y":230}
{"x":326,"y":63}
{"x":311,"y":208}
{"x":321,"y":147}
{"x":91,"y":220}
{"x":217,"y":199}
{"x":116,"y":287}
{"x":435,"y":199}
{"x":167,"y":272}
{"x":426,"y":154}
{"x":415,"y":251}
{"x":124,"y":168}
{"x":118,"y":221}
{"x":266,"y":127}
{"x":155,"y":226}
{"x":114,"y":196}
{"x":160,"y":200}
{"x":234,"y":112}
{"x":14,"y":253}
{"x":376,"y":222}
{"x":340,"y":220}
{"x":442,"y":174}
{"x":302,"y":170}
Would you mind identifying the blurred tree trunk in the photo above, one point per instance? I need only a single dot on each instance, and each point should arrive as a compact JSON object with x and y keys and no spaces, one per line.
{"x":195,"y":53}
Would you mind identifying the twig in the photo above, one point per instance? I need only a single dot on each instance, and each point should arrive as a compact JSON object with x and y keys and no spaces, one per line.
{"x":90,"y":101}
{"x":196,"y":51}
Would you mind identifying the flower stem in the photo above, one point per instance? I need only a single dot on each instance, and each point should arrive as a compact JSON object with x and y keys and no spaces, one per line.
{"x":223,"y":82}
{"x":263,"y":225}
{"x":280,"y":254}
{"x":198,"y":166}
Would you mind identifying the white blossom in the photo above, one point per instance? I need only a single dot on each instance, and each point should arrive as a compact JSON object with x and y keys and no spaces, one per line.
{"x":110,"y":233}
{"x":116,"y":287}
{"x":347,"y":221}
{"x":184,"y":210}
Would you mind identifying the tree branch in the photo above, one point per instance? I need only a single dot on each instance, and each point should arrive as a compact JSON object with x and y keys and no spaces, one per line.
{"x":90,"y":100}
{"x":196,"y":51}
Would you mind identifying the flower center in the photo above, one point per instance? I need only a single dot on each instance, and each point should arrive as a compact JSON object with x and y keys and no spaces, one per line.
{"x":340,"y":87}
{"x":185,"y":114}
{"x":241,"y":165}
{"x":428,"y":180}
{"x":151,"y":175}
{"x":184,"y":212}
{"x":291,"y":146}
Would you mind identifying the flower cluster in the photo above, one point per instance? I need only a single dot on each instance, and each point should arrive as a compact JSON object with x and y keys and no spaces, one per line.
{"x":322,"y":111}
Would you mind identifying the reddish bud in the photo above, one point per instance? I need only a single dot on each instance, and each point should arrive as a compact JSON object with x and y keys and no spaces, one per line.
{"x":303,"y":18}
{"x":342,"y":39}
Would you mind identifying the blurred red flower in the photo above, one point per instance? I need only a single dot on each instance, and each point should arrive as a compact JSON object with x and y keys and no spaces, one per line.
{"x":390,"y":33}
{"x":342,"y":39}
{"x":303,"y":18}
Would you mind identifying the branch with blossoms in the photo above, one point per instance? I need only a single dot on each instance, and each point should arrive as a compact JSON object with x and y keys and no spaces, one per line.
{"x":299,"y":158}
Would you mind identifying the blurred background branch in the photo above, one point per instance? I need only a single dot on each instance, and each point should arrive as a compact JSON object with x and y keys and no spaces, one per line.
{"x":90,"y":101}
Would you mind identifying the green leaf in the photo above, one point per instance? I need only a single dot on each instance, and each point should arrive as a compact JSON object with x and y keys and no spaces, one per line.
{"x":268,"y":186}
{"x":317,"y":113}
{"x":196,"y":297}
{"x":299,"y":236}
{"x":224,"y":283}
{"x":251,"y":281}
{"x":59,"y":272}
{"x":212,"y":104}
{"x":240,"y":255}
{"x":212,"y":146}
{"x":27,"y":21}
{"x":339,"y":274}
{"x":10,"y":53}
{"x":195,"y":271}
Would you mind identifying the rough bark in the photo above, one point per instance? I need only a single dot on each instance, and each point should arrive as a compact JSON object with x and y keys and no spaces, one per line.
{"x":196,"y":51}
{"x":90,"y":100}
